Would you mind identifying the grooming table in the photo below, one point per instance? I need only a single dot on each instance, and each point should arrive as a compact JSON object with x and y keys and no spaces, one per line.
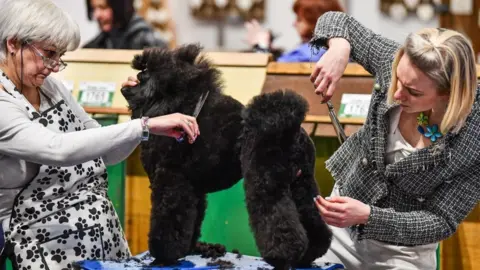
{"x":143,"y":260}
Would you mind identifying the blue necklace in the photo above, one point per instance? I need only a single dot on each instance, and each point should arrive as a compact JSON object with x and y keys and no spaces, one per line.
{"x":430,"y":132}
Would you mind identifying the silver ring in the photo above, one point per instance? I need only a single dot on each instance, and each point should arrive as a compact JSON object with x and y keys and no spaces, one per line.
{"x":188,"y":122}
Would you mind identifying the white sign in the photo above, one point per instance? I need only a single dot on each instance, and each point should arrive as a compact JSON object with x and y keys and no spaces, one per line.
{"x":461,"y":7}
{"x":96,"y":93}
{"x":354,"y":105}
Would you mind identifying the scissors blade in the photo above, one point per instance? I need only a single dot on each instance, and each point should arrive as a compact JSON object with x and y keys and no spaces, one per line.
{"x":342,"y":137}
{"x":201,"y":102}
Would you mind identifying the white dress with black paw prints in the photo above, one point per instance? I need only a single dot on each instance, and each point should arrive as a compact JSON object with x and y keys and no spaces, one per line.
{"x":63,"y":215}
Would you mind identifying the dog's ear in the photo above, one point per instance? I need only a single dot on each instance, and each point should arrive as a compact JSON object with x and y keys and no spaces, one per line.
{"x":188,"y":53}
{"x":139,"y":62}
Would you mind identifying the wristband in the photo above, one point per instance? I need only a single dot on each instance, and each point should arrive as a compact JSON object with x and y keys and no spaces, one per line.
{"x":145,"y":128}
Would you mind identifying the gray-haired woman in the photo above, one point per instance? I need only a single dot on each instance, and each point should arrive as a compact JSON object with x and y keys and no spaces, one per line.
{"x":53,"y":182}
{"x":408,"y":178}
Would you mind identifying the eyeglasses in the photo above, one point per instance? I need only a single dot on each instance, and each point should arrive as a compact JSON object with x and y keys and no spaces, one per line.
{"x":49,"y":62}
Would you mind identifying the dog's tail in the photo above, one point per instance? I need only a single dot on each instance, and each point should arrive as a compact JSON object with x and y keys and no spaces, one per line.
{"x":275,"y":113}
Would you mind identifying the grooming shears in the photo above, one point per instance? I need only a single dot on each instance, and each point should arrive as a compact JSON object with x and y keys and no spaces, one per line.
{"x":342,"y":137}
{"x":196,"y":112}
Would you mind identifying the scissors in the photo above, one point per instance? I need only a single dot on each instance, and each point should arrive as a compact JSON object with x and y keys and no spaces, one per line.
{"x":342,"y":137}
{"x":196,"y":112}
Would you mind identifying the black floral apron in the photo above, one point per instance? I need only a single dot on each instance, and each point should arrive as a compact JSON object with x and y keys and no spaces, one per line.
{"x":63,"y":215}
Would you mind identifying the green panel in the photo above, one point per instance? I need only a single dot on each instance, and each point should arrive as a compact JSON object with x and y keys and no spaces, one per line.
{"x":116,"y":175}
{"x":325,"y":147}
{"x":116,"y":188}
{"x":226,"y":221}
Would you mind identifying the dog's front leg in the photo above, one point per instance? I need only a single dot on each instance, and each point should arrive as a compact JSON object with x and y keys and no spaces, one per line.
{"x":173,"y":217}
{"x":201,"y":207}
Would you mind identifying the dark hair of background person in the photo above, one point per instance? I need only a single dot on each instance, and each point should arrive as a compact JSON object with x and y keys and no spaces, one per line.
{"x":123,"y":11}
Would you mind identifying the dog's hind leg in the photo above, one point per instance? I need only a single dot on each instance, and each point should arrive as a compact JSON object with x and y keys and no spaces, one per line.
{"x":279,"y":234}
{"x":173,"y":218}
{"x":304,"y":189}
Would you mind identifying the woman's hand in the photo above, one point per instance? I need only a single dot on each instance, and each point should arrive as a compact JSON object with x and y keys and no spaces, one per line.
{"x":329,"y":69}
{"x":131,"y":82}
{"x":172,"y":125}
{"x":257,"y":35}
{"x":342,"y":211}
{"x":175,"y":125}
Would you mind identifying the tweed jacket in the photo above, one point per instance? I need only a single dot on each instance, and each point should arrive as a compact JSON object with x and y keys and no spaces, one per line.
{"x":422,"y":198}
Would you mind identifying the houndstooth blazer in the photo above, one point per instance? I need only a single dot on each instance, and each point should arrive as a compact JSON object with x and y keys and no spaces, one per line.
{"x":422,"y":198}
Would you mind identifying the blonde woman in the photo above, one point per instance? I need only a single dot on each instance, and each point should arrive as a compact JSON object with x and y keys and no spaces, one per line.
{"x":408,"y":178}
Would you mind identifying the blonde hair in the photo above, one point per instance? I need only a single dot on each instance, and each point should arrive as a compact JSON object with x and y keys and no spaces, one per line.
{"x":37,"y":20}
{"x":448,"y":59}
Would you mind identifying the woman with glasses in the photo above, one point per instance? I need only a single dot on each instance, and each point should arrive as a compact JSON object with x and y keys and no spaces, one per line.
{"x":54,"y":208}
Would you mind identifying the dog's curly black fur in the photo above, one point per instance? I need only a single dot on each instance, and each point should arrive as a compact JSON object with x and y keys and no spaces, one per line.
{"x":278,"y":160}
{"x":264,"y":140}
{"x":181,"y":173}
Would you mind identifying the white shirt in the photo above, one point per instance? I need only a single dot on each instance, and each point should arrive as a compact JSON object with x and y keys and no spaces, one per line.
{"x":25,"y":144}
{"x":397,"y":147}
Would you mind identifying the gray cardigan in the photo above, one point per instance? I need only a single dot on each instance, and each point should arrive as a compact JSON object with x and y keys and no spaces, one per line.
{"x":422,"y":198}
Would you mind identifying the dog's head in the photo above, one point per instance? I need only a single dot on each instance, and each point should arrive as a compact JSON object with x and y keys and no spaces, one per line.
{"x":170,"y":79}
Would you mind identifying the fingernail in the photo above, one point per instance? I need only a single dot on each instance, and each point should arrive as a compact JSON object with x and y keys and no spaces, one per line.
{"x":327,"y":198}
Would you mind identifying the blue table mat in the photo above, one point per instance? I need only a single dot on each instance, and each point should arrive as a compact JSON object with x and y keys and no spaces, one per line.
{"x":143,"y":261}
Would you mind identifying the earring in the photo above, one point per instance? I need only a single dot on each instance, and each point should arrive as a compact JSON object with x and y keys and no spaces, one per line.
{"x":12,"y":53}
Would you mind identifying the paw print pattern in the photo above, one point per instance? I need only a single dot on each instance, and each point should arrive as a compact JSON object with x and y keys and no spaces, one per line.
{"x":58,"y":191}
{"x":45,"y":181}
{"x":37,"y":194}
{"x":52,"y":170}
{"x":80,"y":250}
{"x":98,"y":162}
{"x":72,"y":196}
{"x":20,"y":201}
{"x":94,"y":214}
{"x":70,"y":116}
{"x":78,"y":128}
{"x":95,"y":252}
{"x":58,"y":110}
{"x":57,"y":255}
{"x":79,"y":169}
{"x":63,"y":125}
{"x":62,"y":217}
{"x":116,"y":240}
{"x":47,"y":205}
{"x":31,"y":213}
{"x":107,"y":246}
{"x":46,"y":120}
{"x":105,"y":207}
{"x":90,"y":172}
{"x":94,"y":234}
{"x":24,"y":242}
{"x":81,"y":224}
{"x":64,"y":176}
{"x":42,"y":235}
{"x":33,"y":255}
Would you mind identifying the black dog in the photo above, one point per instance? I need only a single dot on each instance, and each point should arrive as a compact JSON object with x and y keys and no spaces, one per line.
{"x":265,"y":141}
{"x":278,"y":160}
{"x":181,"y":173}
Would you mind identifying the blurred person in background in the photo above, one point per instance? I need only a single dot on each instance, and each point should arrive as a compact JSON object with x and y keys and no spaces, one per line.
{"x":120,"y":26}
{"x":307,"y":12}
